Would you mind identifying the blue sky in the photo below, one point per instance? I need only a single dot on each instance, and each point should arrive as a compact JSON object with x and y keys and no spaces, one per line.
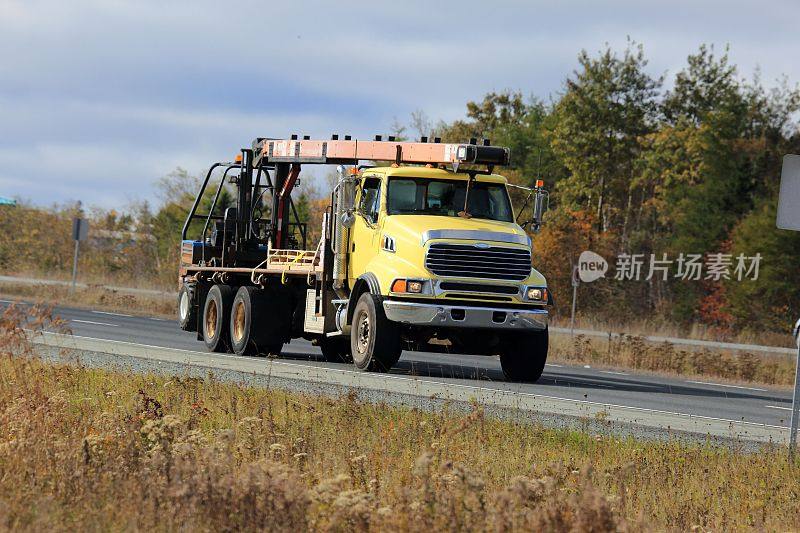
{"x":98,"y":99}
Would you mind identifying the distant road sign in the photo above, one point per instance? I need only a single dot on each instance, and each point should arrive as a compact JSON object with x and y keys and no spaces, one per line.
{"x":80,"y":229}
{"x":789,"y":199}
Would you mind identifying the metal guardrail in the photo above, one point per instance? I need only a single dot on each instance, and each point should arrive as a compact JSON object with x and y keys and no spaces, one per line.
{"x":775,"y":350}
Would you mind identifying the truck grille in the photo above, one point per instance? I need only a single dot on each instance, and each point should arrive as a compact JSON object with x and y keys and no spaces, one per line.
{"x":467,"y":261}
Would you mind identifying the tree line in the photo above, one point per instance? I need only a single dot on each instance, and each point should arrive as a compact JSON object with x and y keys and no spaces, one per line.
{"x":641,"y":168}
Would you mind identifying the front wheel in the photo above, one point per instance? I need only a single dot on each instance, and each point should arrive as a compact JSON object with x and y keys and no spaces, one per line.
{"x":523,"y":356}
{"x":374,"y":339}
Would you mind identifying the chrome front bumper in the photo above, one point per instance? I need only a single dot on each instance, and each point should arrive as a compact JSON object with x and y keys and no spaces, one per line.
{"x":453,"y":316}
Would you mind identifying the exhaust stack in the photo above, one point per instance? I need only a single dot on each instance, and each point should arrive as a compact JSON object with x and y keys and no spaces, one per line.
{"x":343,"y":218}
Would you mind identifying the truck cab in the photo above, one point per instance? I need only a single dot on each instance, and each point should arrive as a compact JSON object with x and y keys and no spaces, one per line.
{"x":446,"y":268}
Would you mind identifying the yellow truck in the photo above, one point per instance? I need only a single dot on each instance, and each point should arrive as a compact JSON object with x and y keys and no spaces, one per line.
{"x":422,"y":253}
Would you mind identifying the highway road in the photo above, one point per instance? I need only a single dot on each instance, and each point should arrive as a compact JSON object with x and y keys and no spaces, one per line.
{"x":666,"y":398}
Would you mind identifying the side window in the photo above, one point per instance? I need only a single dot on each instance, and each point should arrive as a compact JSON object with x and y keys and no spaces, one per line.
{"x":370,"y":199}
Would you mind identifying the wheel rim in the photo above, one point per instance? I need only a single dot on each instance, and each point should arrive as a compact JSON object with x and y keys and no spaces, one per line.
{"x":211,"y":320}
{"x":363,"y":332}
{"x":238,"y":322}
{"x":184,"y":306}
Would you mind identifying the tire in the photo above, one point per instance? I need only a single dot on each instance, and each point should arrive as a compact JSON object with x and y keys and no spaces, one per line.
{"x":336,"y":349}
{"x":247,"y":309}
{"x":216,"y":316}
{"x":248,"y":335}
{"x":374,"y":339}
{"x":523,"y":356}
{"x":187,"y":308}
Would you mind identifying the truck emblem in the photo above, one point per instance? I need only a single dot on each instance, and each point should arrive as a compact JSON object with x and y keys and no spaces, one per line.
{"x":482,"y":245}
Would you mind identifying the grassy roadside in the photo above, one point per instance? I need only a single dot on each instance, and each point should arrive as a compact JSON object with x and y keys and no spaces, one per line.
{"x":629,"y":352}
{"x":92,"y":297}
{"x":88,"y":449}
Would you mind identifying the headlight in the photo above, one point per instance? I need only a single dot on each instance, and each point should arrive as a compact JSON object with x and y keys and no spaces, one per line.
{"x":412,"y":286}
{"x":537,"y":294}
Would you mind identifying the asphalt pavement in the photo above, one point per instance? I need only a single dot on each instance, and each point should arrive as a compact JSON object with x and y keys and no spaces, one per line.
{"x":723,"y":402}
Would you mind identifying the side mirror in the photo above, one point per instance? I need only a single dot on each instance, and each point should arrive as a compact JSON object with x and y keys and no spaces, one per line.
{"x":541,"y":202}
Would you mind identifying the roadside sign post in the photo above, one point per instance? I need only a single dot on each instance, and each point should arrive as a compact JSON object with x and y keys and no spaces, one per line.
{"x":796,"y":396}
{"x":575,"y":282}
{"x":789,"y":219}
{"x":80,"y":231}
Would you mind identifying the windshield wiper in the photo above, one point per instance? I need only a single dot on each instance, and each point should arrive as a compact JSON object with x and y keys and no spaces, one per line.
{"x":465,"y":213}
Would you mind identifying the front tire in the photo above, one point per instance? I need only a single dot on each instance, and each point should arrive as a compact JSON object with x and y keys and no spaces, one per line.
{"x":216,"y":316}
{"x":523,"y":356}
{"x":374,"y":339}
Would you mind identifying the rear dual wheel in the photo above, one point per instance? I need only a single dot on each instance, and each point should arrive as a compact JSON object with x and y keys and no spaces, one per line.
{"x":216,"y":316}
{"x":247,"y":338}
{"x":187,"y":309}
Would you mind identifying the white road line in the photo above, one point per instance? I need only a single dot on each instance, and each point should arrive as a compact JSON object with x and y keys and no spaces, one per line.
{"x":95,"y":323}
{"x":112,"y":314}
{"x":7,"y":301}
{"x":723,"y":385}
{"x":554,"y":366}
{"x":778,"y":407}
{"x":157,"y":319}
{"x":457,"y":385}
{"x":614,"y":373}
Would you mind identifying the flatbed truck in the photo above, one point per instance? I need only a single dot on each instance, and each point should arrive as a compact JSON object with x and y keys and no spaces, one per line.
{"x":419,"y":250}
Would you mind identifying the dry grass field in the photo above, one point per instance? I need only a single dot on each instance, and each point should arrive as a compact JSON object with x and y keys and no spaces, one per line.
{"x":87,"y":449}
{"x":92,"y":297}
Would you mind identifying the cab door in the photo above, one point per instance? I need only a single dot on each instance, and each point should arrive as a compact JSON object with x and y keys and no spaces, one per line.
{"x":365,"y":233}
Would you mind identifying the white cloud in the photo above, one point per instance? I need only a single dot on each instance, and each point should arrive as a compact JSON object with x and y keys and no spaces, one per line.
{"x":142,"y":86}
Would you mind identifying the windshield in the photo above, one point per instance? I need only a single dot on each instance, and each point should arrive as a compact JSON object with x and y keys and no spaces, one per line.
{"x":416,"y":196}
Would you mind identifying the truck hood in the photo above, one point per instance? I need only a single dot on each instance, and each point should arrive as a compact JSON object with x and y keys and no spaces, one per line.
{"x":412,"y":227}
{"x":408,"y":257}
